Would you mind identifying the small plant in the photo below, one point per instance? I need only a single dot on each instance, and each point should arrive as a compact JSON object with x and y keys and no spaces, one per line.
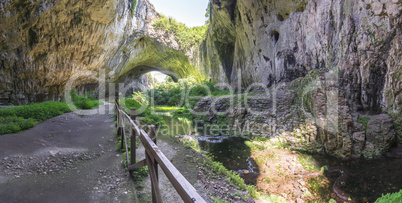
{"x":390,"y":197}
{"x":218,"y":200}
{"x":364,"y":120}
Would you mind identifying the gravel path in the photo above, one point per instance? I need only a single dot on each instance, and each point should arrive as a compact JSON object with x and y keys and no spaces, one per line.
{"x":73,"y":158}
{"x":69,"y":158}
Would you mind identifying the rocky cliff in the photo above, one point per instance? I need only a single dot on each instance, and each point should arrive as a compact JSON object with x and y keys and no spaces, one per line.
{"x":48,"y":46}
{"x":335,"y":63}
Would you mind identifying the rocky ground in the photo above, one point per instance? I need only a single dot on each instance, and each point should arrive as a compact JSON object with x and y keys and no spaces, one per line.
{"x":73,"y":158}
{"x":69,"y":158}
{"x":190,"y":164}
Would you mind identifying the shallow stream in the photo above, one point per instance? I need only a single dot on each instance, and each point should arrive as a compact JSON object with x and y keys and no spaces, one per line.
{"x":364,"y":180}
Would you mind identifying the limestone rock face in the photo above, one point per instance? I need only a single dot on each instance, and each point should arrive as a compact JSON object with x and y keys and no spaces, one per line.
{"x":343,"y":58}
{"x":380,"y":135}
{"x":47,"y":47}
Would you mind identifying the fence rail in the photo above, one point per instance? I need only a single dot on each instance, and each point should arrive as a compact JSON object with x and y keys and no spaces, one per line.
{"x":153,"y":158}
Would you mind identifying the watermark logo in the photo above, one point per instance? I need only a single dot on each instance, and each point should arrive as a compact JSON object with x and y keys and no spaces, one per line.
{"x":250,"y":110}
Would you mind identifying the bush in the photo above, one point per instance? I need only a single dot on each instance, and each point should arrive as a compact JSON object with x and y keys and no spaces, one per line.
{"x":82,"y":102}
{"x":172,"y":94}
{"x":147,"y":117}
{"x":390,"y":197}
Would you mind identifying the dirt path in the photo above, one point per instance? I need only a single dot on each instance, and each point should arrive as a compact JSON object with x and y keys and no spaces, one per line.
{"x":73,"y":158}
{"x":184,"y":160}
{"x":69,"y":158}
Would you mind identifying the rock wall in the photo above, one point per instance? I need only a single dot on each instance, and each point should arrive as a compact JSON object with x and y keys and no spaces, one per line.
{"x":48,"y":45}
{"x":342,"y":56}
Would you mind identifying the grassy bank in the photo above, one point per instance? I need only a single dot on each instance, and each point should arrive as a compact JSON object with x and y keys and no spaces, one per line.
{"x":19,"y":118}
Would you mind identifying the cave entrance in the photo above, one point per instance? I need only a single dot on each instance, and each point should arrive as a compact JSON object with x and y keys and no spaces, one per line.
{"x":159,"y":77}
{"x":141,"y":79}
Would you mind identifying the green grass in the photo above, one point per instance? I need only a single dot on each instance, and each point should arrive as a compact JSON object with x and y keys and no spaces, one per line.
{"x":13,"y":124}
{"x":18,"y":118}
{"x":37,"y":111}
{"x":231,"y":177}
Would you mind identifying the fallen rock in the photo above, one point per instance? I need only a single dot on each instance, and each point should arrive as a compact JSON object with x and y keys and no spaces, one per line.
{"x":380,"y":135}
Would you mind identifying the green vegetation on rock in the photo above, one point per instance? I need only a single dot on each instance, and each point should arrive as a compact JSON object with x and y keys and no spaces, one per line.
{"x":175,"y":94}
{"x":364,"y":120}
{"x":186,"y":37}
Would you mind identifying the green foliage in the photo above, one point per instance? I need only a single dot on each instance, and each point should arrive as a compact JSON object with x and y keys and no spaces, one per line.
{"x":147,"y":116}
{"x":183,"y":113}
{"x":92,"y":95}
{"x":319,"y":188}
{"x":218,"y":200}
{"x":152,"y":119}
{"x":139,"y":173}
{"x":13,"y":124}
{"x":134,"y":2}
{"x":174,"y":94}
{"x":23,"y":117}
{"x":81,"y":102}
{"x":390,"y":197}
{"x":364,"y":120}
{"x":140,"y":97}
{"x":273,"y":198}
{"x":186,"y":37}
{"x":37,"y":111}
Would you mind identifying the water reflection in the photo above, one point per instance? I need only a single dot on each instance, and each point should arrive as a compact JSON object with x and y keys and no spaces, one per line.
{"x":233,"y":153}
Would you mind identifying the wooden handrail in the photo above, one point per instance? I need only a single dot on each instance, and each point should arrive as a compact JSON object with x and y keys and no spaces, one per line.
{"x":154,"y":157}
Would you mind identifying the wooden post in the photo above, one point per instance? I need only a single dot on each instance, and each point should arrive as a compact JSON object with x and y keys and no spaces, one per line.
{"x":119,"y":123}
{"x":116,"y":111}
{"x":152,"y":135}
{"x":151,"y":132}
{"x":154,"y":166}
{"x":121,"y":131}
{"x":156,"y":195}
{"x":133,"y":138}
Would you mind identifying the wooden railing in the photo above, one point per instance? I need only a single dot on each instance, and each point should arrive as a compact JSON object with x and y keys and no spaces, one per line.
{"x":153,"y":158}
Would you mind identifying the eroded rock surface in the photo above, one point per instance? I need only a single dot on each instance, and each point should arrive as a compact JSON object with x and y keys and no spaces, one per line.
{"x":342,"y":58}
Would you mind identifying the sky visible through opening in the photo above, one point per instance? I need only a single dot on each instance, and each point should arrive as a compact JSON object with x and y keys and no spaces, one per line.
{"x":189,"y":12}
{"x":158,"y":76}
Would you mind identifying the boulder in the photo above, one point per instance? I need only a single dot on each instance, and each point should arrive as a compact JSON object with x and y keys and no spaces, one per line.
{"x":380,"y":135}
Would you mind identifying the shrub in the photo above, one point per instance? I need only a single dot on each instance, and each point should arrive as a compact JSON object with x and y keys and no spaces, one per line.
{"x":82,"y":102}
{"x":172,"y":94}
{"x":390,"y":197}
